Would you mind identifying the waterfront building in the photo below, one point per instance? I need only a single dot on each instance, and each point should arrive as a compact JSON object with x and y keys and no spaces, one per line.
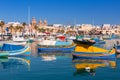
{"x":16,"y":28}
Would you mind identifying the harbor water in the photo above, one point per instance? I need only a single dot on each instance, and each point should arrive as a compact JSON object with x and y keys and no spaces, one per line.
{"x":57,"y":66}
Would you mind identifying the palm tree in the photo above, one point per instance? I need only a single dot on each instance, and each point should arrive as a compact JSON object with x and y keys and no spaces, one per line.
{"x":51,"y":30}
{"x":36,"y":29}
{"x":16,"y":28}
{"x":41,"y":30}
{"x":24,"y":24}
{"x":62,"y":31}
{"x":11,"y":28}
{"x":20,"y":28}
{"x":47,"y":29}
{"x":2,"y":25}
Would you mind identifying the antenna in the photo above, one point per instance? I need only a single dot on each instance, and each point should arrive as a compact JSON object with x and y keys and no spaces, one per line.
{"x":28,"y":14}
{"x":93,"y":21}
{"x":74,"y":21}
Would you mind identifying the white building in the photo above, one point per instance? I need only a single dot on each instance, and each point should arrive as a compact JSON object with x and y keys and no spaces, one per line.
{"x":57,"y":25}
{"x":106,"y":26}
{"x":86,"y":27}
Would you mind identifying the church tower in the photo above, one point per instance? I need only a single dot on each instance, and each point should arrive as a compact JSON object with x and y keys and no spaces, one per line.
{"x":45,"y":22}
{"x":33,"y":23}
{"x":40,"y":23}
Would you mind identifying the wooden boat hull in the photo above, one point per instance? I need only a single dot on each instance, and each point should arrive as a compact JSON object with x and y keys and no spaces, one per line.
{"x":101,"y":42}
{"x":54,"y":43}
{"x":109,"y":57}
{"x":98,"y":55}
{"x":3,"y":54}
{"x":25,"y":51}
{"x":118,"y":47}
{"x":59,"y":49}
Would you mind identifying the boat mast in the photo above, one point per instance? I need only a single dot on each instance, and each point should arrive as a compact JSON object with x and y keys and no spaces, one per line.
{"x":28,"y":14}
{"x":29,"y":19}
{"x":92,"y":22}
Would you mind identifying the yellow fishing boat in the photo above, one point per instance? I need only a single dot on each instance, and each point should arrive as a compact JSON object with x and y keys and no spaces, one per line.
{"x":92,"y":52}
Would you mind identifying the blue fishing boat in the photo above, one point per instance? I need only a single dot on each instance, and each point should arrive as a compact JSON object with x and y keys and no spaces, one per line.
{"x":3,"y":54}
{"x":14,"y":50}
{"x":55,"y":46}
{"x":118,"y":49}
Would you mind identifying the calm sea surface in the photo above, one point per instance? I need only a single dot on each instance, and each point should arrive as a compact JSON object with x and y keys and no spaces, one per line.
{"x":60,"y":67}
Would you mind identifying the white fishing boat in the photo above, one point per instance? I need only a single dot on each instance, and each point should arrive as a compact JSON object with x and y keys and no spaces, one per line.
{"x":18,"y":39}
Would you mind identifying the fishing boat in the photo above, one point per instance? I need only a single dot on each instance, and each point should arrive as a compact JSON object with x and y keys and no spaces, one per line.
{"x":118,"y":49}
{"x":18,"y":39}
{"x":92,"y":52}
{"x":89,"y":66}
{"x":101,"y":42}
{"x":108,"y":55}
{"x":3,"y":54}
{"x":88,"y":42}
{"x":56,"y":48}
{"x":13,"y":52}
{"x":16,"y":43}
{"x":59,"y":46}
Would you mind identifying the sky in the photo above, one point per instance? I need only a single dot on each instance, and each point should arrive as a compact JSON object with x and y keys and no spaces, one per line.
{"x":62,"y":11}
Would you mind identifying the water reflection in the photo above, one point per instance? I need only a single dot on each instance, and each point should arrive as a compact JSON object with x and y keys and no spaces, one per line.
{"x":88,"y":67}
{"x":48,"y":57}
{"x":53,"y":56}
{"x":15,"y":62}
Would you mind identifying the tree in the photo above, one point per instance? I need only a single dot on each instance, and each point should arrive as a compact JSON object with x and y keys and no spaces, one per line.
{"x":16,"y":28}
{"x":41,"y":30}
{"x":92,"y":32}
{"x":2,"y":25}
{"x":11,"y":28}
{"x":36,"y":29}
{"x":23,"y":24}
{"x":62,"y":31}
{"x":47,"y":29}
{"x":20,"y":28}
{"x":51,"y":30}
